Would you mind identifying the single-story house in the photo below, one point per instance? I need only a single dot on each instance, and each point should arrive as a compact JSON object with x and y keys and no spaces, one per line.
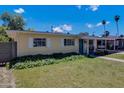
{"x":32,"y":42}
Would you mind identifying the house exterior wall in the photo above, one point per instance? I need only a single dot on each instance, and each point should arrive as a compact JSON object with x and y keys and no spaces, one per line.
{"x":55,"y":44}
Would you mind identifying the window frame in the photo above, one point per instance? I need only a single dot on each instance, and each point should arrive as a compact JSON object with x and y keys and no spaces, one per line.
{"x":69,"y":42}
{"x":39,"y":42}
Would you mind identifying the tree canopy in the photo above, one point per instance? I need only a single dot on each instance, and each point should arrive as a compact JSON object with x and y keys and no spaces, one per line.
{"x":106,"y":34}
{"x":12,"y":21}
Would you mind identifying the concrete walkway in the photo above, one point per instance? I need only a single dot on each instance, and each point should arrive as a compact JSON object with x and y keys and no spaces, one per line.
{"x":6,"y":78}
{"x":122,"y":52}
{"x":111,"y":59}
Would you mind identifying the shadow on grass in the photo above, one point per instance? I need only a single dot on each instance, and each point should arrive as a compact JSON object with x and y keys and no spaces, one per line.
{"x":101,"y":53}
{"x":97,"y":54}
{"x":90,"y":56}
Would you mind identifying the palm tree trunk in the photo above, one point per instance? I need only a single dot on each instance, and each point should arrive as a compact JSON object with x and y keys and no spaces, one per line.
{"x":117,"y":29}
{"x":104,"y":28}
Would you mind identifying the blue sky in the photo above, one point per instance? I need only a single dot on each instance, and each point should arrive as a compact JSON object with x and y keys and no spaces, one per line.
{"x":71,"y":18}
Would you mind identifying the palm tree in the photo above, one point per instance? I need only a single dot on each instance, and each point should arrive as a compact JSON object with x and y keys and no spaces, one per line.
{"x":106,"y":34}
{"x":104,"y":23}
{"x":117,"y":17}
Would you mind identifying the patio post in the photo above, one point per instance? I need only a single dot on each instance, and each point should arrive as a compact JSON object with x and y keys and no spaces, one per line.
{"x":105,"y":44}
{"x":87,"y":46}
{"x":114,"y":44}
{"x":95,"y":45}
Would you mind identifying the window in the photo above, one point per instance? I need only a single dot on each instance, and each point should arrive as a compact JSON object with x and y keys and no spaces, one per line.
{"x":69,"y":42}
{"x":101,"y":44}
{"x":39,"y":42}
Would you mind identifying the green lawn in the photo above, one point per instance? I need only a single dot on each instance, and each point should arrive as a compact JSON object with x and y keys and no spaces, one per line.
{"x":119,"y":56}
{"x":83,"y":72}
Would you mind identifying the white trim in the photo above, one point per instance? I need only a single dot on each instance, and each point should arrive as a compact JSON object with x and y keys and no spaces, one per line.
{"x":30,"y":42}
{"x":76,"y":42}
{"x":62,"y":42}
{"x":48,"y":42}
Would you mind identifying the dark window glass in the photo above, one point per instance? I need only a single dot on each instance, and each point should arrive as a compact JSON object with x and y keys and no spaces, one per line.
{"x":69,"y":42}
{"x":39,"y":42}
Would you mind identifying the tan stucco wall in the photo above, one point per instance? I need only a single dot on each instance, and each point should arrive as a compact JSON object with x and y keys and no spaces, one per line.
{"x":55,"y":47}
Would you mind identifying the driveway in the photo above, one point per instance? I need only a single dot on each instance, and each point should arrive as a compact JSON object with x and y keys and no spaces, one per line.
{"x":6,"y":78}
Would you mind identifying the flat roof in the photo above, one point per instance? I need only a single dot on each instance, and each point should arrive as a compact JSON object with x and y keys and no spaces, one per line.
{"x":46,"y":33}
{"x":65,"y":34}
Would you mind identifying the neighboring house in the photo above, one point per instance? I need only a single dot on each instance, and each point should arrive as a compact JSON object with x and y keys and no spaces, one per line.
{"x":31,"y":43}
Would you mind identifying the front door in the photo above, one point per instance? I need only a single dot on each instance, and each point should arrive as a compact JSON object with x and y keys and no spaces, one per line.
{"x":85,"y":47}
{"x":81,"y":46}
{"x":91,"y":46}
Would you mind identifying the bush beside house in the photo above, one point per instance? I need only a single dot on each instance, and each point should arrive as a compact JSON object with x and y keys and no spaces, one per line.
{"x":41,"y":60}
{"x":3,"y":35}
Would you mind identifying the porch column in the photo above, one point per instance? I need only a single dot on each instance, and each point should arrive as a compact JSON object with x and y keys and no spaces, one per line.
{"x":105,"y":44}
{"x":87,"y":46}
{"x":114,"y":44}
{"x":123,"y":44}
{"x":95,"y":45}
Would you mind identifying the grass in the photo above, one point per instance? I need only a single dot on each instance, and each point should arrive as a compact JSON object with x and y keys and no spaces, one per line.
{"x":83,"y":72}
{"x":118,"y":56}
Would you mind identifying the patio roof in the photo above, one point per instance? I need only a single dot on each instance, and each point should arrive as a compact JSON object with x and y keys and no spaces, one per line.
{"x":101,"y":38}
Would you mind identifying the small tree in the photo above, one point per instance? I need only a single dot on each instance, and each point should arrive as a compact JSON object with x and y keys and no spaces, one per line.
{"x":3,"y":35}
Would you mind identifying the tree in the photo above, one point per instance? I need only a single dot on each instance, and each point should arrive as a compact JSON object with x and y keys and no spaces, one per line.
{"x":121,"y":35}
{"x":13,"y":22}
{"x":16,"y":23}
{"x":106,"y":34}
{"x":104,"y":23}
{"x":3,"y":35}
{"x":117,"y":17}
{"x":6,"y":17}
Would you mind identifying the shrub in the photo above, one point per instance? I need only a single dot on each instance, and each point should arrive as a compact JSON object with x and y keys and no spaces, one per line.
{"x":48,"y":61}
{"x":19,"y":66}
{"x":100,"y":53}
{"x":7,"y":65}
{"x":41,"y":60}
{"x":31,"y":64}
{"x":3,"y":35}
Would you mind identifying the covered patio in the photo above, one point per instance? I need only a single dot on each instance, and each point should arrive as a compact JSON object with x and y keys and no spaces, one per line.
{"x":110,"y":44}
